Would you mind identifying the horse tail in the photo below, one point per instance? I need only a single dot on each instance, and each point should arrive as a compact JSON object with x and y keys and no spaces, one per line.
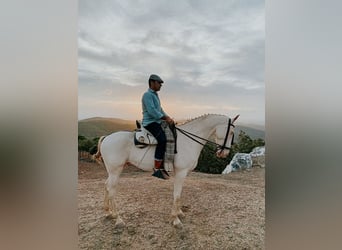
{"x":97,"y":156}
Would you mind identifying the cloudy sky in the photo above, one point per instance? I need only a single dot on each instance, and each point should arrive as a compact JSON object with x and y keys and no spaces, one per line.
{"x":210,"y":54}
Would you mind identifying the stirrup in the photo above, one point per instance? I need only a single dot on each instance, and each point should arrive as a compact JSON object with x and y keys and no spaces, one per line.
{"x":160,"y":173}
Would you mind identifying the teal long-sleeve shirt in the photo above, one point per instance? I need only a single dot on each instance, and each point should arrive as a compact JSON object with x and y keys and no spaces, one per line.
{"x":151,"y":108}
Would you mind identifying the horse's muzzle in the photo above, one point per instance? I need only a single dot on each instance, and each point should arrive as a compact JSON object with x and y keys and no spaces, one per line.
{"x":222,"y":153}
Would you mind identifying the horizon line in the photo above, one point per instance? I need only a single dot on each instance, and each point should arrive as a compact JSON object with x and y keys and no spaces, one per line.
{"x":182,"y":119}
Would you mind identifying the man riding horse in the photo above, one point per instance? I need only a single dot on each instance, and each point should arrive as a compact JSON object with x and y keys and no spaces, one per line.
{"x":153,"y":114}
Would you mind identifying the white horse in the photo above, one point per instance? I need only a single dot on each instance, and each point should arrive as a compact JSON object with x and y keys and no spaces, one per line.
{"x":118,"y":149}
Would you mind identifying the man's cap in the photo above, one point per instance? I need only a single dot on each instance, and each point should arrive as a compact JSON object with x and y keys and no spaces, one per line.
{"x":156,"y":78}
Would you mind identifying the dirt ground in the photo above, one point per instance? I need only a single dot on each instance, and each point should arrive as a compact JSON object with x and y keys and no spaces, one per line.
{"x":222,"y":211}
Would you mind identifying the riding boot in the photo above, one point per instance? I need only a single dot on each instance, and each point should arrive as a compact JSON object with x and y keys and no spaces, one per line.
{"x":159,"y":171}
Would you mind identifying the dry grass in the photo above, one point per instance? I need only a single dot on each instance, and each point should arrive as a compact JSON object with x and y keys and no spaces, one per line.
{"x":222,"y":212}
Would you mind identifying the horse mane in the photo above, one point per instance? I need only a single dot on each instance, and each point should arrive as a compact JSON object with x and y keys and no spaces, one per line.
{"x":199,"y":117}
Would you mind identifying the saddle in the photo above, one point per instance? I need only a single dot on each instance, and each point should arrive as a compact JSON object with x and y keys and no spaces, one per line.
{"x":143,"y":138}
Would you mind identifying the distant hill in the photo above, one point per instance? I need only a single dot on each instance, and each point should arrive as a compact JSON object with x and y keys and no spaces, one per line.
{"x":98,"y":126}
{"x":253,"y":133}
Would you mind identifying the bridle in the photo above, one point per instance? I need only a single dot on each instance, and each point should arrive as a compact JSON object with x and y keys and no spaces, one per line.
{"x":223,"y":146}
{"x":218,"y":146}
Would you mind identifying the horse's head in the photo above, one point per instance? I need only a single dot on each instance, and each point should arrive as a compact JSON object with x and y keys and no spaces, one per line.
{"x":224,"y":137}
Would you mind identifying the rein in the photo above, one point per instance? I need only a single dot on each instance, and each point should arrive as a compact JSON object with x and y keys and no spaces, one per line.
{"x":221,"y":147}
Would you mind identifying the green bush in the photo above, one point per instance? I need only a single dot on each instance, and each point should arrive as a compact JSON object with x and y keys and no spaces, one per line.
{"x":87,"y":145}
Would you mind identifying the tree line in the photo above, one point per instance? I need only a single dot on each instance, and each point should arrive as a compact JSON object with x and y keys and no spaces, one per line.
{"x":87,"y":145}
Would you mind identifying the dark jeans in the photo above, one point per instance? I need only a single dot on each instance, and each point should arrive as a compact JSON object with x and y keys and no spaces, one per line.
{"x":157,"y":131}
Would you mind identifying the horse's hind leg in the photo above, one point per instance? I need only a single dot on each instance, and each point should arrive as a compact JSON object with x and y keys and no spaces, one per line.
{"x":109,"y":193}
{"x":106,"y":199}
{"x":109,"y":200}
{"x":177,"y":213}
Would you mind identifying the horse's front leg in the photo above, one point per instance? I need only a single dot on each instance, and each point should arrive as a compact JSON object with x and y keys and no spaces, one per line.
{"x":176,"y":212}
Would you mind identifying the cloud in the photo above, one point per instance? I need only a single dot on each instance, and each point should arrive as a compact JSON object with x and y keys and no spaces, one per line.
{"x":206,"y":51}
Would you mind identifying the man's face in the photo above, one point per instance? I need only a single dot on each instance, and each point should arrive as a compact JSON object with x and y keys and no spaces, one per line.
{"x":156,"y":85}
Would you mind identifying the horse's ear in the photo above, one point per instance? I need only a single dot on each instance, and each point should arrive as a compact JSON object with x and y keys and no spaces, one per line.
{"x":235,"y":118}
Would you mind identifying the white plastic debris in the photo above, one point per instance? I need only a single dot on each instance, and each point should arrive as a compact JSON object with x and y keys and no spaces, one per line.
{"x":239,"y":161}
{"x":258,"y":156}
{"x":245,"y":161}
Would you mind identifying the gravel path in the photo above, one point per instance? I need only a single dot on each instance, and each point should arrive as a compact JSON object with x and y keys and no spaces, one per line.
{"x":222,"y":211}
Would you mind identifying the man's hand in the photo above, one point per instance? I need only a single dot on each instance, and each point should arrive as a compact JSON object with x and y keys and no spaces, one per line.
{"x":169,"y":120}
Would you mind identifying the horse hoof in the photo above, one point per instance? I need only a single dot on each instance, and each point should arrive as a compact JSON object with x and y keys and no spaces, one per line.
{"x":119,"y":223}
{"x":110,"y":216}
{"x":177,"y":224}
{"x":181,"y":215}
